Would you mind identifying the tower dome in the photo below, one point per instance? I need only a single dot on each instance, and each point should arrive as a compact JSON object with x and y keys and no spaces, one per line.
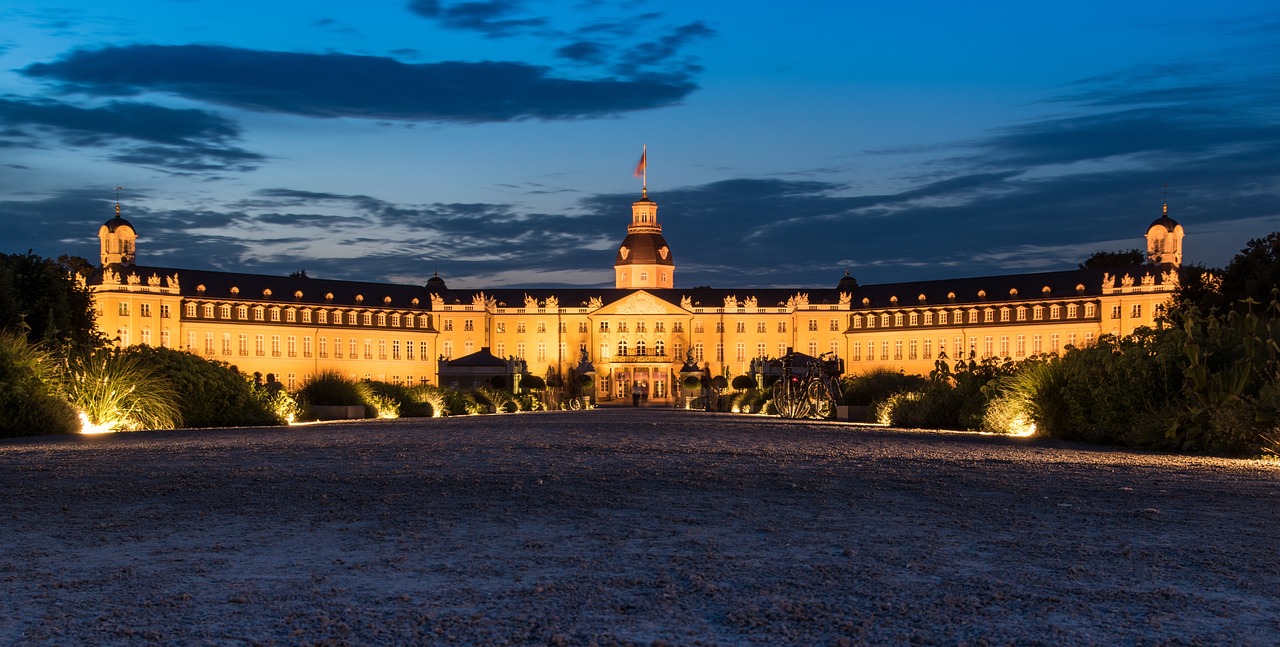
{"x":644,"y":260}
{"x":1164,"y":240}
{"x":117,"y":241}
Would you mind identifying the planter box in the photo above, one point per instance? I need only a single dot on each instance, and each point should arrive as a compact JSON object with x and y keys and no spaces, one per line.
{"x":854,"y":413}
{"x":336,"y":412}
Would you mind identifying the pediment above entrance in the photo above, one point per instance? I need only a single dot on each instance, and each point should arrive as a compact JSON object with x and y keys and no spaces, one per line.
{"x":640,"y":303}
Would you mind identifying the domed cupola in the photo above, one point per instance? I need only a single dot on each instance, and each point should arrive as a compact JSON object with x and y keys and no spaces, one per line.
{"x":1164,"y":240}
{"x":644,"y":260}
{"x":847,"y":283}
{"x":117,"y":240}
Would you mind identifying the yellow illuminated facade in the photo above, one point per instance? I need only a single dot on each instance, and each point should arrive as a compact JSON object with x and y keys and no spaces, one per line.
{"x":638,"y":332}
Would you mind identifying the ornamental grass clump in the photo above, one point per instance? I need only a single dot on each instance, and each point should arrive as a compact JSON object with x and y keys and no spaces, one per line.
{"x":118,"y":391}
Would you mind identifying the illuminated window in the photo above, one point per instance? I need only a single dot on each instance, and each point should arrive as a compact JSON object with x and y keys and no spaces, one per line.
{"x":382,"y":349}
{"x":542,"y":326}
{"x":259,"y":313}
{"x":760,"y":326}
{"x":291,"y":346}
{"x":1037,"y":313}
{"x":382,"y":319}
{"x":677,"y":326}
{"x":500,"y":327}
{"x":468,"y":325}
{"x":191,"y":309}
{"x":928,"y":351}
{"x":835,"y":325}
{"x":659,"y":348}
{"x":928,"y":318}
{"x":124,"y":310}
{"x":226,"y":343}
{"x":208,"y":311}
{"x":1055,"y":312}
{"x":366,"y":318}
{"x":1022,"y":313}
{"x":1072,"y":311}
{"x":741,"y":349}
{"x":306,"y":347}
{"x":542,"y":352}
{"x":622,"y":348}
{"x":1036,"y":345}
{"x":275,"y":345}
{"x":164,"y":311}
{"x":448,"y":325}
{"x":897,"y":319}
{"x":604,"y":326}
{"x":1020,"y":349}
{"x":640,"y":348}
{"x":259,"y":345}
{"x":912,"y":320}
{"x":1004,"y":345}
{"x":1136,"y":311}
{"x":351,"y":318}
{"x":520,"y":327}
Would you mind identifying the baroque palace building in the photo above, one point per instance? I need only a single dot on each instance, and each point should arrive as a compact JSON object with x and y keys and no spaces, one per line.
{"x":640,"y":331}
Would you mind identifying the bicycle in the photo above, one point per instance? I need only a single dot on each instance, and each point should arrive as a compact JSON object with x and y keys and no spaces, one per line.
{"x":812,"y":396}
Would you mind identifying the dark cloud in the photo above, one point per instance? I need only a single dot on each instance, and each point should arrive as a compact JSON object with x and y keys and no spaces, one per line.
{"x":661,"y":52}
{"x":584,"y":51}
{"x":493,"y":18}
{"x":342,"y":85}
{"x":138,"y":133}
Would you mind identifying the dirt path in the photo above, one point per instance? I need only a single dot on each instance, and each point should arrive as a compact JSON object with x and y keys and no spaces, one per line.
{"x":643,"y":527}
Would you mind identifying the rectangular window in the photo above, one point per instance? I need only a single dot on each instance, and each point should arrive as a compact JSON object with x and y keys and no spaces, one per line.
{"x":382,"y":349}
{"x":988,"y":351}
{"x":382,"y":319}
{"x":468,"y":325}
{"x":191,"y":341}
{"x":760,"y":349}
{"x":719,"y":326}
{"x":564,"y":351}
{"x":911,"y":349}
{"x":500,"y":327}
{"x":448,"y":325}
{"x":290,"y":315}
{"x":897,"y":349}
{"x":1053,"y":343}
{"x":1004,"y":345}
{"x":259,"y":345}
{"x":1021,"y":348}
{"x":782,"y":326}
{"x":928,"y":352}
{"x":697,"y":351}
{"x":258,"y":314}
{"x":368,"y":348}
{"x":542,"y":352}
{"x":208,"y":343}
{"x":813,"y":348}
{"x":291,"y":346}
{"x":191,"y":310}
{"x":1088,"y":338}
{"x":741,"y":327}
{"x":226,"y":343}
{"x":146,"y":337}
{"x":1136,"y":311}
{"x":353,"y":348}
{"x":782,"y":349}
{"x":243,"y":344}
{"x":871,"y":351}
{"x":144,"y":309}
{"x":322,"y":316}
{"x":324,"y":347}
{"x":1071,"y":339}
{"x":124,"y":309}
{"x":678,"y":349}
{"x":1036,"y":343}
{"x":1037,"y":313}
{"x":164,"y":311}
{"x":582,"y":326}
{"x":720,"y":352}
{"x":275,"y":314}
{"x":337,"y":347}
{"x":897,"y":318}
{"x":1055,"y":312}
{"x":306,"y":316}
{"x":913,"y":319}
{"x":928,"y":318}
{"x":813,"y":325}
{"x":973,"y":316}
{"x":275,"y":345}
{"x":422,"y":351}
{"x":604,"y":326}
{"x":760,"y":326}
{"x":446,"y":349}
{"x":408,"y":349}
{"x":622,"y":326}
{"x":1115,"y":312}
{"x":395,"y":349}
{"x":366,"y":318}
{"x":741,"y":351}
{"x":835,"y":325}
{"x":857,"y":353}
{"x":306,"y":347}
{"x":677,"y":326}
{"x":1022,"y":314}
{"x":988,"y":316}
{"x":884,"y":349}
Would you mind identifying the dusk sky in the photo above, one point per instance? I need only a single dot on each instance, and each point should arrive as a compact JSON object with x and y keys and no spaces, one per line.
{"x":494,"y":141}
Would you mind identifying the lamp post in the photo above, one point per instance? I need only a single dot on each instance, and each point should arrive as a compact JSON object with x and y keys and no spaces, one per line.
{"x":585,"y":368}
{"x":687,"y":371}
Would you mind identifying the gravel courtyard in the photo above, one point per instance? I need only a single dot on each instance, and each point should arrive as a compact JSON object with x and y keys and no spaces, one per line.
{"x":621,"y":526}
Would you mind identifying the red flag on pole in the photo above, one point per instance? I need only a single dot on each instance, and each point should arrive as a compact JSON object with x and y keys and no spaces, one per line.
{"x":640,"y":166}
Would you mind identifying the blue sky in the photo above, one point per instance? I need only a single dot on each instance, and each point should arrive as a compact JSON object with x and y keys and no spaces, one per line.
{"x":493,"y":141}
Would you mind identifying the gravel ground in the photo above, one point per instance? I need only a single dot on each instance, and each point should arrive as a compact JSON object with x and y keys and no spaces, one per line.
{"x":621,"y":526}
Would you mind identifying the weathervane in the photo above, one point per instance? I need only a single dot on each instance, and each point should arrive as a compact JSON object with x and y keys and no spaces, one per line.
{"x":118,"y":190}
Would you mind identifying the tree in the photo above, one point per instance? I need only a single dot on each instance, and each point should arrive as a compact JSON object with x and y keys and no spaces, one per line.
{"x":300,"y":274}
{"x":1121,"y":258}
{"x":1253,"y":273}
{"x":43,"y":298}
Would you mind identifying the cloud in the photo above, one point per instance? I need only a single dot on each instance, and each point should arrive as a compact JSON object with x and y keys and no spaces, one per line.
{"x":493,"y":18}
{"x":343,"y":85}
{"x":138,"y":133}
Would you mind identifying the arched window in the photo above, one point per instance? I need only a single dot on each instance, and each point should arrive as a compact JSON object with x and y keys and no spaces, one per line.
{"x":659,"y":348}
{"x":622,"y":348}
{"x":640,"y":350}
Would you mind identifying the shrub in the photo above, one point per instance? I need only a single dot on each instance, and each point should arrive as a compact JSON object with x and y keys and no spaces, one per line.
{"x":212,"y":393}
{"x":31,"y":402}
{"x":873,"y":386}
{"x":433,"y":399}
{"x":743,"y":382}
